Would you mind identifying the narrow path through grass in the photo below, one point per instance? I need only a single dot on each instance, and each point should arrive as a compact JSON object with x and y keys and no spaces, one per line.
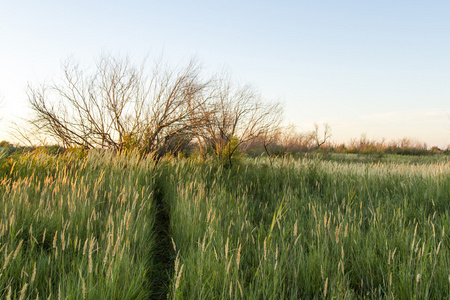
{"x":163,"y":254}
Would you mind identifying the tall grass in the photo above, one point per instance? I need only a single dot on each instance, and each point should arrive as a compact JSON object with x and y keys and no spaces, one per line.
{"x":120,"y":227}
{"x":76,"y":228}
{"x":308,"y":228}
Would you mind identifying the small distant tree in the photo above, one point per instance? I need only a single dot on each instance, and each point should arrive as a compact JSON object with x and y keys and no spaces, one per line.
{"x":320,"y":139}
{"x":289,"y":140}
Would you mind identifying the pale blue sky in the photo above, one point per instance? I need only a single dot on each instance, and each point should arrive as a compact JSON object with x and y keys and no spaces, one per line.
{"x":376,"y":67}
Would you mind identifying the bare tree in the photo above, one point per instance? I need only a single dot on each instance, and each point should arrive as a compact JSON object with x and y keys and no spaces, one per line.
{"x":236,"y":117}
{"x":28,"y":135}
{"x":293,"y":141}
{"x":120,"y":105}
{"x":176,"y":108}
{"x":319,"y":141}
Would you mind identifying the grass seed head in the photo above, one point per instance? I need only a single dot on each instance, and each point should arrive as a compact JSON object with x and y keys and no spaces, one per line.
{"x":22,"y":292}
{"x":438,"y":248}
{"x":238,"y":258}
{"x":265,"y":248}
{"x":54,"y":239}
{"x":17,"y":249}
{"x":177,"y":283}
{"x":8,"y":296}
{"x":33,"y":275}
{"x":226,"y":248}
{"x":295,"y":228}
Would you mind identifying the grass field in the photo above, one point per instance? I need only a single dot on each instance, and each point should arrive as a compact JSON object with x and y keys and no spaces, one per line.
{"x":100,"y":226}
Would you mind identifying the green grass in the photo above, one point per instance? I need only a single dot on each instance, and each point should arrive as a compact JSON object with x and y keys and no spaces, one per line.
{"x":310,"y":229}
{"x":119,"y":227}
{"x":76,"y":228}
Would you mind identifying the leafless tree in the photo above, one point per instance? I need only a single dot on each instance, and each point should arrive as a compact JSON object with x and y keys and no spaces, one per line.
{"x":28,"y":135}
{"x":120,"y":105}
{"x":319,"y":141}
{"x":293,"y":141}
{"x":237,"y":115}
{"x":175,"y":109}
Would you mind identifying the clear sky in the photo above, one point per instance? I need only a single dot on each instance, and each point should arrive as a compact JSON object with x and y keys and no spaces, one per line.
{"x":380,"y":68}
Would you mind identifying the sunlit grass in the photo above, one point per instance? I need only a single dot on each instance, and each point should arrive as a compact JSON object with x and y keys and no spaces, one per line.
{"x":308,"y":228}
{"x":78,"y":226}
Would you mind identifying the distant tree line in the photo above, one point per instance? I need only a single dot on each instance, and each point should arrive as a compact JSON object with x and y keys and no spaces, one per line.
{"x":288,"y":141}
{"x":404,"y":146}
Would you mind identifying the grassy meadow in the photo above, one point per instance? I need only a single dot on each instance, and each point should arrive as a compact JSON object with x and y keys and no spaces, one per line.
{"x":102,"y":226}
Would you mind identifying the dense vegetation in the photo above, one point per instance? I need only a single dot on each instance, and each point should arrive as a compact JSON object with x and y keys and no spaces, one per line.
{"x":122,"y":226}
{"x":73,"y":227}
